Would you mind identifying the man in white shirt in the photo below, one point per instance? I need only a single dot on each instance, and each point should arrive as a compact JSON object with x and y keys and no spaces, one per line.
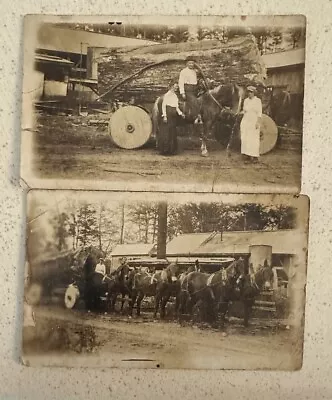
{"x":188,"y":84}
{"x":101,"y":267}
{"x":167,"y":142}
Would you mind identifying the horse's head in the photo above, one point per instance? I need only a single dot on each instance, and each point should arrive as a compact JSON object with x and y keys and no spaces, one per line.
{"x":264,"y":276}
{"x":173,"y":272}
{"x":238,"y":94}
{"x":230,"y":95}
{"x":123,"y":274}
{"x":236,"y":269}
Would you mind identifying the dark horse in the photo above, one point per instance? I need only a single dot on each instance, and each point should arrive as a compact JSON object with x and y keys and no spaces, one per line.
{"x":251,"y":286}
{"x":162,"y":285}
{"x":93,"y":288}
{"x":209,"y":289}
{"x":118,"y":282}
{"x":211,"y":104}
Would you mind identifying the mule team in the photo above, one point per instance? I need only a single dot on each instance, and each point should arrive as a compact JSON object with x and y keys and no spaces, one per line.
{"x":194,"y":291}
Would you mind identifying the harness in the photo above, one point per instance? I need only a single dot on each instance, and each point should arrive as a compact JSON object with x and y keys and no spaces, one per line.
{"x":254,"y":283}
{"x":153,"y":279}
{"x":209,"y":281}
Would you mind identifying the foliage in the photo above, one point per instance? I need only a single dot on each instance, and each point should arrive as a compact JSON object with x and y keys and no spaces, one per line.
{"x":268,"y":39}
{"x":104,"y":225}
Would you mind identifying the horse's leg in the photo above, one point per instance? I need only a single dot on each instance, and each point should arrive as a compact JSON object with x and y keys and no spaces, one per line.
{"x":246,"y":307}
{"x":164,"y":301}
{"x":177,"y":303}
{"x":157,"y":302}
{"x":114,"y":298}
{"x":139,"y":301}
{"x":223,"y":308}
{"x":123,"y":300}
{"x":207,"y":126}
{"x":132,"y":302}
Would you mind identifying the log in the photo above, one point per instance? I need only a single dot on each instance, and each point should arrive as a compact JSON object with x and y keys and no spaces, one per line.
{"x":151,"y":69}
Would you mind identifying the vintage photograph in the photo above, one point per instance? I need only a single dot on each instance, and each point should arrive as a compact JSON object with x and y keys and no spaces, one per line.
{"x":150,"y":281}
{"x":164,"y":103}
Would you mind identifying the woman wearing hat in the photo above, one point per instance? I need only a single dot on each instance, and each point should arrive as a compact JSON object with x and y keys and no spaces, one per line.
{"x":250,"y":125}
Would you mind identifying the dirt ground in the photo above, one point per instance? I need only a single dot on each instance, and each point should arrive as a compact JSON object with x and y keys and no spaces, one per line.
{"x":69,"y":148}
{"x":120,"y":341}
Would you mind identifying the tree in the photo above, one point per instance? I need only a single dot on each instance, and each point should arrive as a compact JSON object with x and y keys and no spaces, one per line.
{"x":209,"y":217}
{"x":162,"y":230}
{"x":60,"y":223}
{"x":144,"y":217}
{"x":296,"y":37}
{"x":86,"y":225}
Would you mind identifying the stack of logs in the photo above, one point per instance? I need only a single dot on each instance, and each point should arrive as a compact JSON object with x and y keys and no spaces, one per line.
{"x":237,"y":61}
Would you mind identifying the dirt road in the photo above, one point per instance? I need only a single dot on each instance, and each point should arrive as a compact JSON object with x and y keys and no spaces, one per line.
{"x":68,"y":150}
{"x":142,"y":342}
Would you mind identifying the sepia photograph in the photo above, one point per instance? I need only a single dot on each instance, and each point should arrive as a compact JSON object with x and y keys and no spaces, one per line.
{"x":209,"y":104}
{"x":153,"y":281}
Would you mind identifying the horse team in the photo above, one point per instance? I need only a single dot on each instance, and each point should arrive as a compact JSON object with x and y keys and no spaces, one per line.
{"x":199,"y":294}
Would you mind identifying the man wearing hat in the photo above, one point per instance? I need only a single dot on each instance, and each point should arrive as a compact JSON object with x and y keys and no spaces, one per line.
{"x":188,"y":85}
{"x":250,"y":126}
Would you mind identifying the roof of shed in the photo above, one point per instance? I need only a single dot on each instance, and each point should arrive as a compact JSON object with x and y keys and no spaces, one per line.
{"x":284,"y":58}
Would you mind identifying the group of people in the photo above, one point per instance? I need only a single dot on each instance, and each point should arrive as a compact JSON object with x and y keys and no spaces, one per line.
{"x":186,"y":88}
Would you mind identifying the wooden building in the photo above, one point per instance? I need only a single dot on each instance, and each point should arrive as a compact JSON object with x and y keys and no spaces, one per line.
{"x":286,"y":69}
{"x":285,"y":75}
{"x":281,"y":244}
{"x":65,"y":57}
{"x":131,"y":251}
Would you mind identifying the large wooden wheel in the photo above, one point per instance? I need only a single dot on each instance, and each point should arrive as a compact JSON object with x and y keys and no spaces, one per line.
{"x":269,"y":134}
{"x":72,"y":295}
{"x":130,"y":127}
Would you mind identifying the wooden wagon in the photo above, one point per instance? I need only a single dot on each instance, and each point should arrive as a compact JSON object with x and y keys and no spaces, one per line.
{"x":132,"y":79}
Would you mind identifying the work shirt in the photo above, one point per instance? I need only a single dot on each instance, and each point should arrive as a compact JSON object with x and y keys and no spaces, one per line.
{"x":100,"y":268}
{"x":187,"y":77}
{"x":171,"y":100}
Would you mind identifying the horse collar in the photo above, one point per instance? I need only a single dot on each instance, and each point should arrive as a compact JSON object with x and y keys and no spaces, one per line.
{"x":209,"y":281}
{"x":254,"y":283}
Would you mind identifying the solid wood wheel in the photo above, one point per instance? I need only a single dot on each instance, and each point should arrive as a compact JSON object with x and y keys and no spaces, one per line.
{"x":269,"y":134}
{"x":72,"y":294}
{"x":130,"y":127}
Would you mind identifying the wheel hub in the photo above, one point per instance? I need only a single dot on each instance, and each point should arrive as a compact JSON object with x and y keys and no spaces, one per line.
{"x":130,"y":128}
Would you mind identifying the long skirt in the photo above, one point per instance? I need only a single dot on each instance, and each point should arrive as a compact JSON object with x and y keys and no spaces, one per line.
{"x":167,"y":140}
{"x":250,"y":136}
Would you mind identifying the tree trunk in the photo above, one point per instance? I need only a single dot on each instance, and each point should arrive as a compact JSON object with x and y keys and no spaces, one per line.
{"x":99,"y":229}
{"x":154,"y":226}
{"x":146,"y":236}
{"x":162,"y":230}
{"x":122,"y":224}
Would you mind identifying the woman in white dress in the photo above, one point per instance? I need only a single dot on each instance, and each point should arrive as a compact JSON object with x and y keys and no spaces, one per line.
{"x":250,"y":126}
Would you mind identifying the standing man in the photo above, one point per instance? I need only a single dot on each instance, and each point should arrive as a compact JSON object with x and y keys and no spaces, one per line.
{"x":188,"y":84}
{"x":101,"y":267}
{"x":170,"y":113}
{"x":250,"y":126}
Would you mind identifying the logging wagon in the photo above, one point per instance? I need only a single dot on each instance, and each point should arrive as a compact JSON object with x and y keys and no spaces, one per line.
{"x":130,"y":81}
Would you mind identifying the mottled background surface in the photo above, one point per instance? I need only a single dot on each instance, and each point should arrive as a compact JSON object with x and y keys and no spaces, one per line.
{"x":313,"y":381}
